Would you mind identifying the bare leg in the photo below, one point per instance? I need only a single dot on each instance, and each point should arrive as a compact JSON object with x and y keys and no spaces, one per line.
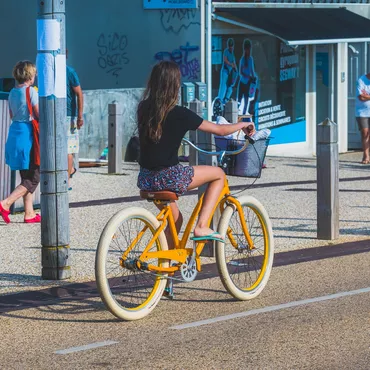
{"x":18,"y":192}
{"x":215,"y":177}
{"x":70,"y":168}
{"x":365,"y":145}
{"x":28,"y":206}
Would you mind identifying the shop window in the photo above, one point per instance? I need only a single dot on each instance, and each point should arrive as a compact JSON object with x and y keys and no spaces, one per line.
{"x":268,"y":80}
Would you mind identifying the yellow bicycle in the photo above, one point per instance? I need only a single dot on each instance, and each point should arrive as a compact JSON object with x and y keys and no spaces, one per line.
{"x":133,"y":262}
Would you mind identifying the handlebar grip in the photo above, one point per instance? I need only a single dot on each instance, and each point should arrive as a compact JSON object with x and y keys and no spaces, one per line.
{"x":251,"y":141}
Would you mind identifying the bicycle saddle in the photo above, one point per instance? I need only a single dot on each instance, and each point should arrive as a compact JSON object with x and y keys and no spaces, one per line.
{"x":158,"y":195}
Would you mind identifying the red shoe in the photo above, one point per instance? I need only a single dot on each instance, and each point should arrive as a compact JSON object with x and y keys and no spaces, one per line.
{"x":4,"y":214}
{"x":35,"y":220}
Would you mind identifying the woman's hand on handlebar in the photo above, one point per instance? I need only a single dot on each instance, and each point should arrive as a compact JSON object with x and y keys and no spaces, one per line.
{"x":250,"y":129}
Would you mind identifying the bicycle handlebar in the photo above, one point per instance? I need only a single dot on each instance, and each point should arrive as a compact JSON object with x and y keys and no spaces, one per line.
{"x":248,"y":140}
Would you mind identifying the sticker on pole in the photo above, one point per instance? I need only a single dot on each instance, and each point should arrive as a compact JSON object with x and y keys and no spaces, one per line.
{"x":51,"y":75}
{"x":48,"y":34}
{"x":60,"y":76}
{"x":45,"y":74}
{"x":170,"y":4}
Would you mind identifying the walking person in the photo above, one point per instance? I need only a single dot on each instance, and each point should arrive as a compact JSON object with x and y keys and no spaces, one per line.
{"x":74,"y":118}
{"x":22,"y":151}
{"x":363,"y":114}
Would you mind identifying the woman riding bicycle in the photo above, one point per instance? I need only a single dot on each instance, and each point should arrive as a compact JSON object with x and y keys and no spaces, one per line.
{"x":162,"y":124}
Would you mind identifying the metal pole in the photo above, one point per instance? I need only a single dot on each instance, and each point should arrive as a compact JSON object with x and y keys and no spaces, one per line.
{"x":209,"y":57}
{"x":51,"y":65}
{"x":202,"y":40}
{"x":196,"y":158}
{"x":327,"y":181}
{"x":114,"y":140}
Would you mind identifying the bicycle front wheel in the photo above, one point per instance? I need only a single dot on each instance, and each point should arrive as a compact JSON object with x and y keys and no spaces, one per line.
{"x":127,"y":291}
{"x":245,"y":269}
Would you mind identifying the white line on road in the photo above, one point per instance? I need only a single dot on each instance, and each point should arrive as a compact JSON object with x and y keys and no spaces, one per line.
{"x":85,"y":348}
{"x":270,"y":309}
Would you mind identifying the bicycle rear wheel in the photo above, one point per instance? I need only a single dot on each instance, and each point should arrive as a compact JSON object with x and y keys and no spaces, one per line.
{"x":244,"y":271}
{"x":128,"y":292}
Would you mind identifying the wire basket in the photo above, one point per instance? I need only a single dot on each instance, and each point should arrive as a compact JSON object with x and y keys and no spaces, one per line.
{"x":247,"y":163}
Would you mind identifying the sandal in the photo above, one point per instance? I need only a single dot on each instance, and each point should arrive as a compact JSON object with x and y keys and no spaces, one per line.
{"x":73,"y":172}
{"x":5,"y":214}
{"x":34,"y":220}
{"x":214,"y":236}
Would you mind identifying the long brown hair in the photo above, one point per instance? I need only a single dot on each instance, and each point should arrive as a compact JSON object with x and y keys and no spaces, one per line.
{"x":160,"y":96}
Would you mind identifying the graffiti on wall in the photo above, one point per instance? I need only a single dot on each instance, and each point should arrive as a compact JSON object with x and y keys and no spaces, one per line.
{"x":188,"y":63}
{"x":112,"y":53}
{"x":174,"y":20}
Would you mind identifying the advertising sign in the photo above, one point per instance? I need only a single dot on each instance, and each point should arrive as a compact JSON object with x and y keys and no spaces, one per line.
{"x":170,"y":4}
{"x":267,"y":80}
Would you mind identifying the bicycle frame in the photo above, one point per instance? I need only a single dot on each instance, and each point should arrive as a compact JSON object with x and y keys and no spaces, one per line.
{"x":180,"y":252}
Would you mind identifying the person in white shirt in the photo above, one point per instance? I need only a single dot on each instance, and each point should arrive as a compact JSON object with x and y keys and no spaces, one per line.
{"x":363,"y":114}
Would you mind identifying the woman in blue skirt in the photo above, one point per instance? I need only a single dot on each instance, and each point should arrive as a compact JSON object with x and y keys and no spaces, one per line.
{"x":19,"y":153}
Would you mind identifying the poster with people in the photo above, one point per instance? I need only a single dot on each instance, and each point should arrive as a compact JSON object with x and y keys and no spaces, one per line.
{"x":266,"y":78}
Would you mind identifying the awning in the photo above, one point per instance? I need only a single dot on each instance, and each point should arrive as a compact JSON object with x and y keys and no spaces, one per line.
{"x":300,"y":26}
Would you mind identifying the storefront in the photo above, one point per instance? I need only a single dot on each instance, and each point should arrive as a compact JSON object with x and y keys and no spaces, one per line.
{"x":288,"y":67}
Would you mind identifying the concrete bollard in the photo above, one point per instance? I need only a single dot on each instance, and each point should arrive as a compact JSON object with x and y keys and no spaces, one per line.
{"x":327,"y":181}
{"x":231,"y":111}
{"x":196,"y":107}
{"x":114,"y":139}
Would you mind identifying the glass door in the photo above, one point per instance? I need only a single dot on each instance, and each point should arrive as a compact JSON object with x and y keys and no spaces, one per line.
{"x":356,"y":68}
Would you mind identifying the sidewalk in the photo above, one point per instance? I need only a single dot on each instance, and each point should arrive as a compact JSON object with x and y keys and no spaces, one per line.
{"x":287,"y":189}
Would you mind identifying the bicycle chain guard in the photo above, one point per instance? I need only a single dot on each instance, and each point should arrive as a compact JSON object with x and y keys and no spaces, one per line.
{"x":188,"y":269}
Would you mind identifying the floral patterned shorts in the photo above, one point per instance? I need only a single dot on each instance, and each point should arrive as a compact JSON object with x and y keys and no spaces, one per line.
{"x":175,"y":178}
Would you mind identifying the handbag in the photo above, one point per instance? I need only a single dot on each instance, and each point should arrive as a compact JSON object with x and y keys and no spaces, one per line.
{"x":36,"y":130}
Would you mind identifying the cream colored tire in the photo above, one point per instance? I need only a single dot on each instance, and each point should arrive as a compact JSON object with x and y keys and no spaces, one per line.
{"x":116,"y":292}
{"x":235,"y":265}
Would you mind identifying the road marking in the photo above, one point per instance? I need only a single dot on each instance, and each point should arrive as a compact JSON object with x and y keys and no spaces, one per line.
{"x":85,"y":348}
{"x":270,"y":309}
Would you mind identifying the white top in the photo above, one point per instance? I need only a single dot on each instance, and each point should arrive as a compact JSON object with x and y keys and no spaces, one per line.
{"x":362,"y":107}
{"x":18,"y":104}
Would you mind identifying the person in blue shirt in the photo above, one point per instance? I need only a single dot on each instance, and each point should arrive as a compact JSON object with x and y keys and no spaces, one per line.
{"x":74,"y":118}
{"x":247,"y":77}
{"x":228,"y":72}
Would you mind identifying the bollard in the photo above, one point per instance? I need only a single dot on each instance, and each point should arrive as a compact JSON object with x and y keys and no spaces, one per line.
{"x":114,"y":139}
{"x":231,"y":111}
{"x":327,"y":181}
{"x":196,"y":107}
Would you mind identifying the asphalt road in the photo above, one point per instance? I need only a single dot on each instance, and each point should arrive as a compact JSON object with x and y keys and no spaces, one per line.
{"x":313,"y":314}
